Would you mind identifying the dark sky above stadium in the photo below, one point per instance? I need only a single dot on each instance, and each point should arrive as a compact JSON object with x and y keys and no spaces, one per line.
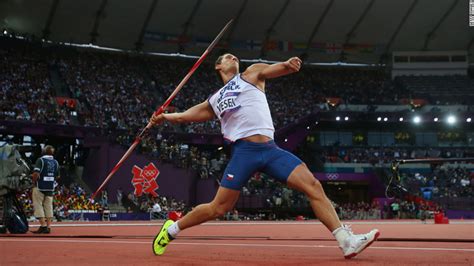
{"x":325,"y":30}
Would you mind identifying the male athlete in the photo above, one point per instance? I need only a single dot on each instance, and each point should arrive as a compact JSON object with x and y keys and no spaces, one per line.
{"x":242,"y":108}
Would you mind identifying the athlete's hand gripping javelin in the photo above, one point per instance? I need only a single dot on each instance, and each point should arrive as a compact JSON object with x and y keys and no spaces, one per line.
{"x":157,"y":119}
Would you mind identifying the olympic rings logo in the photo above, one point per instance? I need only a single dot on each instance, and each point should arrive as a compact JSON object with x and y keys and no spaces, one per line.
{"x":332,"y":176}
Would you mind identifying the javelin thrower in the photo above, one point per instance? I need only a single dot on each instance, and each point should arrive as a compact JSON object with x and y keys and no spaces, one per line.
{"x":242,"y":108}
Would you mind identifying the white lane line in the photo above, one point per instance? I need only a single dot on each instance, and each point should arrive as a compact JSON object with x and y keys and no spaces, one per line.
{"x":227,"y":244}
{"x":239,"y":223}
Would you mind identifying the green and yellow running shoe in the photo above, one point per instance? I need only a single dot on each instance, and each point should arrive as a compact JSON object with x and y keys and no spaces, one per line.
{"x":162,"y":239}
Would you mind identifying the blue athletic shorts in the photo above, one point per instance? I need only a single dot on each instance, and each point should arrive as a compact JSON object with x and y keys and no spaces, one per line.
{"x":250,"y":157}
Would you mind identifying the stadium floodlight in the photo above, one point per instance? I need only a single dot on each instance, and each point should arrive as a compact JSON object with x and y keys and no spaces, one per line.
{"x":338,"y":118}
{"x":435,"y":119}
{"x":385,"y":119}
{"x":346,"y":118}
{"x":468,"y":120}
{"x":379,"y":118}
{"x":416,"y":119}
{"x":400,"y":119}
{"x":451,"y":119}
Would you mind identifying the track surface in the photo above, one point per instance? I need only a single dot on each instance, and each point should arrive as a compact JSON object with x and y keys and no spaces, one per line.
{"x":262,"y":243}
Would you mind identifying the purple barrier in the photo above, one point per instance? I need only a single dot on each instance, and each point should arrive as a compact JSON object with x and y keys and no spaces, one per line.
{"x":376,"y":187}
{"x":87,"y":216}
{"x":344,"y":177}
{"x":113,"y":216}
{"x":205,"y":190}
{"x":129,"y":216}
{"x":460,"y":214}
{"x":176,"y":182}
{"x":294,"y":133}
{"x":29,"y":128}
{"x":251,"y":201}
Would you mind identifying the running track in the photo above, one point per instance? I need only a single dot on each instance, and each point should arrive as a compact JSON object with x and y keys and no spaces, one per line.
{"x":232,"y":243}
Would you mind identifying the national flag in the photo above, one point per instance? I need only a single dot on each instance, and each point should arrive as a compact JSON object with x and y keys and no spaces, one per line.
{"x":349,"y":47}
{"x":270,"y":45}
{"x":299,"y":46}
{"x":366,"y":48}
{"x":333,"y":48}
{"x":318,"y":47}
{"x":254,"y":45}
{"x":285,"y":46}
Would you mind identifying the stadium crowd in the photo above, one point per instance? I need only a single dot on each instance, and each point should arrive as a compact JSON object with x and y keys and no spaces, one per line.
{"x":376,"y":155}
{"x":147,"y":203}
{"x":72,"y":199}
{"x":409,"y":208}
{"x":111,"y":91}
{"x":358,"y":211}
{"x":119,"y":91}
{"x":66,"y":199}
{"x":444,"y":182}
{"x":26,"y":90}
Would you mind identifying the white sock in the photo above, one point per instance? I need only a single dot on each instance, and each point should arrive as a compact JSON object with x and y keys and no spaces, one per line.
{"x":341,"y":235}
{"x":174,"y":230}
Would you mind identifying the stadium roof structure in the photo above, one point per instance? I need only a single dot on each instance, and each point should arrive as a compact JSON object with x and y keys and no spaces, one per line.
{"x":355,"y":31}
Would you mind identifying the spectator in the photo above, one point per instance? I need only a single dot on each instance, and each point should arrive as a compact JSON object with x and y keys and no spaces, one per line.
{"x":395,"y":206}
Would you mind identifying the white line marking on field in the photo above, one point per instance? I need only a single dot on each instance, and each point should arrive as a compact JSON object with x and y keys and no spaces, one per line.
{"x":240,"y":223}
{"x":76,"y":241}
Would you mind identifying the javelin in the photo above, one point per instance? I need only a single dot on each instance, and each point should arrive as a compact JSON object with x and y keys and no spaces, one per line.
{"x":163,"y":107}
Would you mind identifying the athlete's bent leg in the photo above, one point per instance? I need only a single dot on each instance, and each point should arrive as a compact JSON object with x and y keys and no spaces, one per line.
{"x":303,"y":180}
{"x":223,"y":202}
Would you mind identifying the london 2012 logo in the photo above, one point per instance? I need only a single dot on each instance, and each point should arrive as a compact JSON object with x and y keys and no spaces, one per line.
{"x":144,"y":180}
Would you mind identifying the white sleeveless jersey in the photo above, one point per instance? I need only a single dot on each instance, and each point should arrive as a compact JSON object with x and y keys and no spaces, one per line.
{"x":242,"y":110}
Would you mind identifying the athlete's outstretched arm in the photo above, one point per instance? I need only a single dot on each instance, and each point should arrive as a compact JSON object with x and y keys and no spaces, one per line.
{"x":266,"y":71}
{"x":198,"y":113}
